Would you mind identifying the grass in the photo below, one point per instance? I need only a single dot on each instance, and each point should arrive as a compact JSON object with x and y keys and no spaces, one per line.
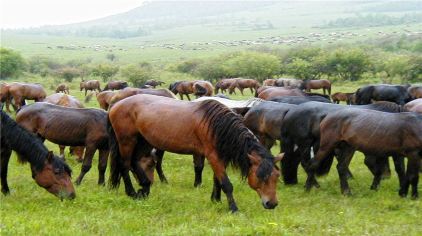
{"x":177,"y":208}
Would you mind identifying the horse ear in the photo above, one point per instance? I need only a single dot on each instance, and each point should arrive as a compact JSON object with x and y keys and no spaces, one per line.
{"x":50,"y":156}
{"x":279,"y":157}
{"x":254,"y":160}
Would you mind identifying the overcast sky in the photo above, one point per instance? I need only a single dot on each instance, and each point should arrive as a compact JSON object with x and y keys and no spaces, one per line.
{"x":27,"y":13}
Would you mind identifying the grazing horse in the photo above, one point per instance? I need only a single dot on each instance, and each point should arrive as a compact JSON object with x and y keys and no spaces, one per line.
{"x":62,"y":88}
{"x":241,"y":84}
{"x":104,"y":99}
{"x":269,"y":82}
{"x":127,"y":92}
{"x":154,"y":83}
{"x":373,"y":132}
{"x":323,"y":84}
{"x":91,"y":85}
{"x":115,"y":85}
{"x":415,"y":105}
{"x":67,"y":101}
{"x":223,"y":85}
{"x":344,"y":97}
{"x":273,"y":92}
{"x":22,"y":91}
{"x":202,"y":88}
{"x":290,"y":83}
{"x":182,"y":88}
{"x":70,"y":127}
{"x":4,"y":96}
{"x":48,"y":171}
{"x":213,"y":131}
{"x":415,"y":92}
{"x":384,"y":92}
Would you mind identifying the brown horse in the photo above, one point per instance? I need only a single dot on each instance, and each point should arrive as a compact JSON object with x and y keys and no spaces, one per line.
{"x":115,"y":85}
{"x":104,"y":99}
{"x":153,"y":83}
{"x":202,"y":88}
{"x":273,"y":92}
{"x":182,"y":88}
{"x":206,"y":128}
{"x":127,"y":92}
{"x":371,"y":132}
{"x":67,"y":101}
{"x":415,"y":105}
{"x":323,"y":84}
{"x":70,"y":127}
{"x":91,"y":85}
{"x":48,"y":171}
{"x":415,"y":91}
{"x":241,"y":84}
{"x":223,"y":85}
{"x":4,"y":96}
{"x":343,"y":97}
{"x":62,"y":88}
{"x":289,"y":83}
{"x":269,"y":82}
{"x":22,"y":91}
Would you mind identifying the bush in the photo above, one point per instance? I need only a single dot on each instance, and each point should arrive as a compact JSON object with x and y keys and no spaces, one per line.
{"x":138,"y":74}
{"x":68,"y":73}
{"x":348,"y":64}
{"x":11,"y":63}
{"x":105,"y":71}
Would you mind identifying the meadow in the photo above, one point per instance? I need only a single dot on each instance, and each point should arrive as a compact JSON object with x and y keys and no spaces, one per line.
{"x":177,"y":208}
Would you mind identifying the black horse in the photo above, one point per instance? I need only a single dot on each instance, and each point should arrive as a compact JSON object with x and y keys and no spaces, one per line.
{"x":392,"y":93}
{"x":49,"y":171}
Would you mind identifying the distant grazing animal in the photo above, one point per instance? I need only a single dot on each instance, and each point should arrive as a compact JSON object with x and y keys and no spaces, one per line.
{"x":70,"y":127}
{"x":323,"y":84}
{"x":290,"y":83}
{"x":127,"y":92}
{"x":415,"y":105}
{"x":67,"y":101}
{"x":182,"y":88}
{"x":4,"y":96}
{"x":384,"y":92}
{"x":342,"y":97}
{"x":241,"y":84}
{"x":62,"y":88}
{"x":202,"y":88}
{"x":415,"y":92}
{"x":115,"y":85}
{"x":373,"y":132}
{"x":91,"y":85}
{"x":104,"y":99}
{"x":269,"y":82}
{"x":273,"y":92}
{"x":206,"y":128}
{"x":19,"y":92}
{"x":223,"y":85}
{"x":154,"y":83}
{"x":48,"y":171}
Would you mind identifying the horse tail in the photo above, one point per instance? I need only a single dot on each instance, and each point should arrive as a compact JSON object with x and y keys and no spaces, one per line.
{"x":115,"y":158}
{"x":290,"y":161}
{"x":325,"y":165}
{"x":89,"y":97}
{"x":105,"y":88}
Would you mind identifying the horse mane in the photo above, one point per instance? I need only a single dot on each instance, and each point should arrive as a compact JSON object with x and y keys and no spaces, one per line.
{"x":233,"y":140}
{"x":28,"y":147}
{"x":387,"y":107}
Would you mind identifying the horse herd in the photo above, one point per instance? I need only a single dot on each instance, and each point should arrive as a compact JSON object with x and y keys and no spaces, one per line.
{"x":142,"y":123}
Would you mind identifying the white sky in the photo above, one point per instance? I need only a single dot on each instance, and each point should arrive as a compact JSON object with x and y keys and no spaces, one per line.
{"x":28,"y":13}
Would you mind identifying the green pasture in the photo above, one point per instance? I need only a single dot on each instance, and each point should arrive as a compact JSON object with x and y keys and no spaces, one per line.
{"x":177,"y":208}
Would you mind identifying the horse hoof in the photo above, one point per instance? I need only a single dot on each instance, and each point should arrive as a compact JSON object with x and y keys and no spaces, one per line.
{"x":80,"y":160}
{"x":374,"y":187}
{"x":197,"y":185}
{"x":78,"y":182}
{"x":415,"y":196}
{"x":347,"y":193}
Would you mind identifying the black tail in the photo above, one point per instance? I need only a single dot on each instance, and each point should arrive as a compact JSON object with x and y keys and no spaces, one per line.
{"x":115,"y":160}
{"x":290,"y":162}
{"x":325,"y":165}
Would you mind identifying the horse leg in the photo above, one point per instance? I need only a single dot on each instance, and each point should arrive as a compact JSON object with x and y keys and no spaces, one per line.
{"x":159,"y":154}
{"x":251,"y":90}
{"x":386,"y":171}
{"x":85,"y":92}
{"x":181,"y":96}
{"x":4,"y":163}
{"x":62,"y":147}
{"x":323,"y":90}
{"x":399,"y":167}
{"x":87,"y":163}
{"x":187,"y":95}
{"x":412,"y":176}
{"x":380,"y":163}
{"x":241,"y":91}
{"x":198,"y":162}
{"x":216,"y":190}
{"x":344,"y":157}
{"x":126,"y":149}
{"x":102,"y":164}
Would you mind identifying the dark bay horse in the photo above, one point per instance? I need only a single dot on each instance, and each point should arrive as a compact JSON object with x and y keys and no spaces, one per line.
{"x":376,"y":133}
{"x":62,"y":88}
{"x":202,"y":88}
{"x":115,"y":85}
{"x":154,"y":83}
{"x":323,"y":84}
{"x":104,"y":99}
{"x":48,"y":171}
{"x":343,"y":97}
{"x":383,"y":92}
{"x":415,"y":92}
{"x":223,"y":85}
{"x":214,"y":132}
{"x":241,"y":84}
{"x":19,"y":92}
{"x":67,"y":101}
{"x":70,"y":127}
{"x":91,"y":85}
{"x":127,"y":92}
{"x":415,"y":105}
{"x":182,"y":88}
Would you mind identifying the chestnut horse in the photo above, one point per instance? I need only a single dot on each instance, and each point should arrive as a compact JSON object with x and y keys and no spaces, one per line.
{"x":415,"y":105}
{"x":22,"y":91}
{"x":182,"y":88}
{"x":67,"y":101}
{"x":62,"y":88}
{"x":202,"y":88}
{"x":269,"y":82}
{"x":214,"y":131}
{"x":373,"y":132}
{"x":48,"y":171}
{"x":4,"y":96}
{"x":91,"y":85}
{"x":127,"y":92}
{"x":70,"y":127}
{"x":153,"y":83}
{"x":343,"y":97}
{"x":115,"y":85}
{"x":223,"y":85}
{"x":104,"y":99}
{"x":323,"y":84}
{"x":415,"y":92}
{"x":241,"y":84}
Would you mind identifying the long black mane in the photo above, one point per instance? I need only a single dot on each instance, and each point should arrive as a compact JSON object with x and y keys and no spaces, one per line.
{"x":386,"y":107}
{"x":29,"y":147}
{"x":233,"y":140}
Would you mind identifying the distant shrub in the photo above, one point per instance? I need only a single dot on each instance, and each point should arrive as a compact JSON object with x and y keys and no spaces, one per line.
{"x":11,"y":63}
{"x":138,"y":74}
{"x":105,"y":71}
